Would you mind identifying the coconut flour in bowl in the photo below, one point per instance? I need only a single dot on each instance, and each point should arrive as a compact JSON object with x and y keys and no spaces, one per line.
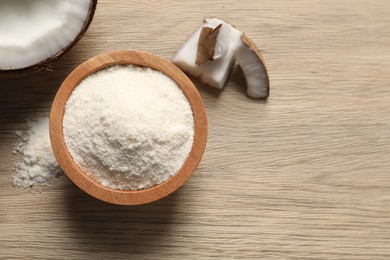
{"x":128,"y":127}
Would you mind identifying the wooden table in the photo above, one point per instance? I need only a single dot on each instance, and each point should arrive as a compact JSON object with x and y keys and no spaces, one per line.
{"x":304,"y":175}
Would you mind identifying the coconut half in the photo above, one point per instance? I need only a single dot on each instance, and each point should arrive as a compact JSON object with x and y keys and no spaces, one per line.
{"x":210,"y":53}
{"x":33,"y":33}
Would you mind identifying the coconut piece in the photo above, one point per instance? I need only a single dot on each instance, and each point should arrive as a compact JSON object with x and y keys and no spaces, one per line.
{"x":249,"y":58}
{"x":232,"y":45}
{"x":207,"y":43}
{"x":34,"y":33}
{"x":215,"y":72}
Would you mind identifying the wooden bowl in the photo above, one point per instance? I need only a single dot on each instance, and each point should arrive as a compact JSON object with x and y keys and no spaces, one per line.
{"x":87,"y":183}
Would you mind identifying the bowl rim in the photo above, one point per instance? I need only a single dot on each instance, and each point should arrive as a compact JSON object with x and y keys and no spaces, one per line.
{"x":86,"y":182}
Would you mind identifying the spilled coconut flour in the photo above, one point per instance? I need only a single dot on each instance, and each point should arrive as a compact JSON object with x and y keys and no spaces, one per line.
{"x":128,"y":127}
{"x":39,"y":165}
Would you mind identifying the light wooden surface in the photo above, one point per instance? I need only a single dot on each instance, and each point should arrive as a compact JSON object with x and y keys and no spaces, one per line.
{"x":86,"y":182}
{"x":304,"y":175}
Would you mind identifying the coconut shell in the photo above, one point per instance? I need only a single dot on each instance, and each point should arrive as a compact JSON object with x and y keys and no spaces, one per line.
{"x":47,"y":64}
{"x":206,"y":46}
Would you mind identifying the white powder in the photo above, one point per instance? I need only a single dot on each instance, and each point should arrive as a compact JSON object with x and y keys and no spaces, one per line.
{"x":38,"y":165}
{"x":128,"y":127}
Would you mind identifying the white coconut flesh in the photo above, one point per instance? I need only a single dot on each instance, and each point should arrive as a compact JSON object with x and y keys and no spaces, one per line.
{"x":32,"y":31}
{"x":231,"y":46}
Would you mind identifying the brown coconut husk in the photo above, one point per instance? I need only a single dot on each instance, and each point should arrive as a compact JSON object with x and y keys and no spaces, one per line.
{"x":207,"y":42}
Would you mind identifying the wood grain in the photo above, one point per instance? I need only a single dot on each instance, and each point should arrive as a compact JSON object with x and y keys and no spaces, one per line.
{"x":85,"y":181}
{"x":304,"y":175}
